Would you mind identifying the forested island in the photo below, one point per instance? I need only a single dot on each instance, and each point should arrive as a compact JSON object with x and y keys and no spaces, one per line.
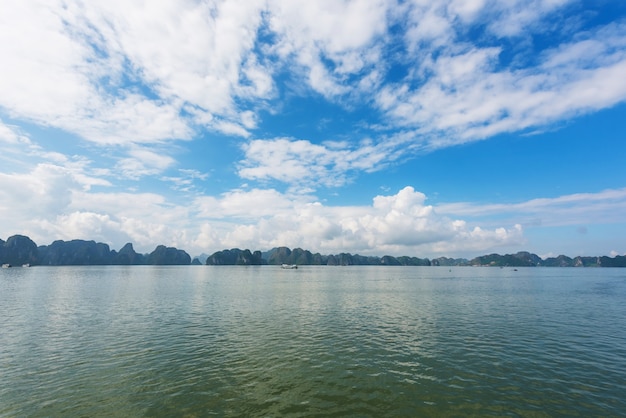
{"x":19,"y":250}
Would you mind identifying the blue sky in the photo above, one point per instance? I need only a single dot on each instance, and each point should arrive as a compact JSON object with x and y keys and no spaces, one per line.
{"x":422,"y":128}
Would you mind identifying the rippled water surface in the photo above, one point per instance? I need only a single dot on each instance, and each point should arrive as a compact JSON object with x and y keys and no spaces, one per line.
{"x":317,"y":341}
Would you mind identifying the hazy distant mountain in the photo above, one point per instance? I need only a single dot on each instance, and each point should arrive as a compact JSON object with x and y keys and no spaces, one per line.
{"x":445,"y":261}
{"x":201,"y":258}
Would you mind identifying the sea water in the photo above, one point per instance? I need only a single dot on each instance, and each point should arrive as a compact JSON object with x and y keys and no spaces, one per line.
{"x":316,"y":341}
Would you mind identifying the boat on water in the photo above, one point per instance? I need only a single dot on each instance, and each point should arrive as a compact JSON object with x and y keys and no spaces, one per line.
{"x":289,"y":266}
{"x":6,"y":265}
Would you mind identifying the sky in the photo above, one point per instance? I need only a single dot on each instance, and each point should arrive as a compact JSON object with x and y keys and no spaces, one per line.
{"x":375,"y":127}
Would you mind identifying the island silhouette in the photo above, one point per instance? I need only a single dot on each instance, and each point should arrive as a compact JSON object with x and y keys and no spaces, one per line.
{"x":20,"y":250}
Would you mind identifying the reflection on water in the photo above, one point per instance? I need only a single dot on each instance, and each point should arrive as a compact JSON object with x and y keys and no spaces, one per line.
{"x":261,"y":341}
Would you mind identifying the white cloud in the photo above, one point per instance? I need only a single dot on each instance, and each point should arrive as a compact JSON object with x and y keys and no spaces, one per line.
{"x":123,"y":73}
{"x":344,"y":32}
{"x":50,"y":203}
{"x":186,"y":179}
{"x":55,"y":202}
{"x":427,"y":25}
{"x":296,"y":159}
{"x":145,"y":219}
{"x":466,"y":10}
{"x":190,"y":50}
{"x":132,"y":119}
{"x":468,"y":96}
{"x":576,"y":209}
{"x":131,"y":77}
{"x":10,"y":135}
{"x":247,"y":205}
{"x":144,"y":234}
{"x":129,"y":73}
{"x":305,"y":164}
{"x":142,"y":162}
{"x":82,"y":225}
{"x":519,"y":17}
{"x":48,"y":189}
{"x":230,"y":128}
{"x":56,"y":77}
{"x":40,"y":62}
{"x":400,"y":224}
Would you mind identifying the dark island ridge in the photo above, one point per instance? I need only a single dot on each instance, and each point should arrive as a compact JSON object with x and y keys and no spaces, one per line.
{"x":19,"y":250}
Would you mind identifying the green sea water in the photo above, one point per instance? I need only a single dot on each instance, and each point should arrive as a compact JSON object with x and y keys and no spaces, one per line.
{"x":198,"y":341}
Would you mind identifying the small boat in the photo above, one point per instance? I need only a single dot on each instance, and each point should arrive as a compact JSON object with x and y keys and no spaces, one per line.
{"x":6,"y":266}
{"x":289,"y":266}
{"x":26,"y":265}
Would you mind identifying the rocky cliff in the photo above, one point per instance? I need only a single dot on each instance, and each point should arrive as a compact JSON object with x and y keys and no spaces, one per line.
{"x":19,"y":250}
{"x":163,"y":255}
{"x":235,"y":257}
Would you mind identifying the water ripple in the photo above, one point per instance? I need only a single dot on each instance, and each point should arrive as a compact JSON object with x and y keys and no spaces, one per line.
{"x":320,"y":342}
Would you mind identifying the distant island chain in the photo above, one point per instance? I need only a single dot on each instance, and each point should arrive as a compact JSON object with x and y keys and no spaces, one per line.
{"x":20,"y":250}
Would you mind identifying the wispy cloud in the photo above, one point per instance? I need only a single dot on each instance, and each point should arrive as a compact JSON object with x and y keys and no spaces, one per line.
{"x":143,"y":161}
{"x":607,"y":206}
{"x":10,"y":135}
{"x":124,"y":74}
{"x":306,"y":165}
{"x":466,"y":94}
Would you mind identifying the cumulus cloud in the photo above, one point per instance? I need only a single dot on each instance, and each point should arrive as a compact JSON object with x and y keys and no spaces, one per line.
{"x":48,"y":189}
{"x":145,"y":219}
{"x":52,"y":203}
{"x":396,"y":224}
{"x":56,"y":202}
